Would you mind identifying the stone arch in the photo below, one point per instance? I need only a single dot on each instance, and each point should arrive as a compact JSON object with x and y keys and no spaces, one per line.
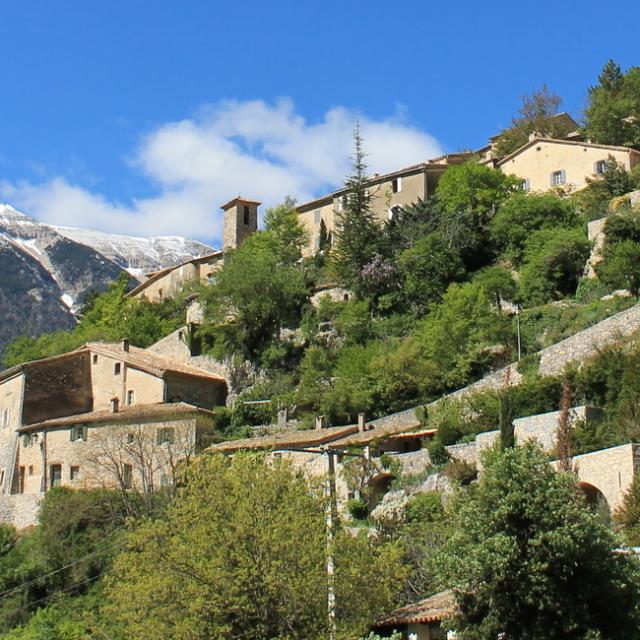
{"x":595,"y":499}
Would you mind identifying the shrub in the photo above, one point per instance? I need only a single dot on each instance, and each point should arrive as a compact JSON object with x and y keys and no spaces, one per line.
{"x":358,"y":508}
{"x":425,"y":507}
{"x":460,"y":472}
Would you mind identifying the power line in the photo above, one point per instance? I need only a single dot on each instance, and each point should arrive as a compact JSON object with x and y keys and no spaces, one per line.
{"x":7,"y":593}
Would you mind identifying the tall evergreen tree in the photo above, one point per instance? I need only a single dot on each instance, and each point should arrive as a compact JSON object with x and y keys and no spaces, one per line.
{"x":357,"y":233}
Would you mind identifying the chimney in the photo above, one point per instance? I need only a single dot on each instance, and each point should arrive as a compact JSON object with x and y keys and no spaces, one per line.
{"x":319,"y":422}
{"x":125,"y":344}
{"x":362,"y":423}
{"x":115,"y":405}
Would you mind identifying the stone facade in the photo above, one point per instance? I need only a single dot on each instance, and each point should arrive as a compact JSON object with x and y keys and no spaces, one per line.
{"x":541,"y":428}
{"x":546,"y":163}
{"x":48,"y":408}
{"x":240,"y":221}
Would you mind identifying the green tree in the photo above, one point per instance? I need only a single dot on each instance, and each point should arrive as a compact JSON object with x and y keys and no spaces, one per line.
{"x":475,"y":187}
{"x":627,"y":516}
{"x":257,"y":293}
{"x":283,"y":224}
{"x":498,"y":283}
{"x":620,"y":268}
{"x":554,"y":262}
{"x":357,"y":234}
{"x":536,"y":115}
{"x":612,"y":115}
{"x":428,"y":268}
{"x":523,"y":214}
{"x":242,"y":554}
{"x":526,"y":558}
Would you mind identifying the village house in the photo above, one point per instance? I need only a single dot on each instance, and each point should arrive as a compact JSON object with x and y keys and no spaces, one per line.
{"x":240,"y":221}
{"x":388,"y":192}
{"x":547,"y":163}
{"x":418,"y":621}
{"x":60,"y":415}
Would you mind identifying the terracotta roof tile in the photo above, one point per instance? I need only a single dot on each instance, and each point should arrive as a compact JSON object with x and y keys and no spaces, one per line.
{"x":141,"y":412}
{"x":286,"y":439}
{"x":146,"y":361}
{"x":432,"y":609}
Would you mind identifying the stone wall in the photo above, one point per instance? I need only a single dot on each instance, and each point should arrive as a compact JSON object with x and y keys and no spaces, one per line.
{"x":541,"y":428}
{"x":553,"y":360}
{"x":610,"y":471}
{"x":19,"y":510}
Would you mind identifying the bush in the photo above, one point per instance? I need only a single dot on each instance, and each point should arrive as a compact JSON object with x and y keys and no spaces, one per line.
{"x":460,"y":472}
{"x":554,"y":262}
{"x":358,"y":508}
{"x":425,"y":507}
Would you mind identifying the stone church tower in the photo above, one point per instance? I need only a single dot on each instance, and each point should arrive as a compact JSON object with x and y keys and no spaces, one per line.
{"x":240,"y":221}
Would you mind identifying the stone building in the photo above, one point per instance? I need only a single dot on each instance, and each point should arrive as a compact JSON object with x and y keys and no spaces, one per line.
{"x":567,"y":164}
{"x":56,"y":414}
{"x":240,"y":221}
{"x":419,"y":621}
{"x":395,"y":189}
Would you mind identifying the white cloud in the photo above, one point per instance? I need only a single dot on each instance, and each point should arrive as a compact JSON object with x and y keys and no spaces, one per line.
{"x":263,"y":151}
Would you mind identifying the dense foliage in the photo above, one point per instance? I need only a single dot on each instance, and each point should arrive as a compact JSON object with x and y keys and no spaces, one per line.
{"x":526,"y":558}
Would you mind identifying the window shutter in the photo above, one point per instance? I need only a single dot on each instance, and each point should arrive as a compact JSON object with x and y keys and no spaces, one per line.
{"x":551,"y":180}
{"x":399,"y":184}
{"x":85,"y":432}
{"x":72,"y":434}
{"x":563,"y":173}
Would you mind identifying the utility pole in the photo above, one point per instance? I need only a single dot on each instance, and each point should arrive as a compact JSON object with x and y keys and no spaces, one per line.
{"x":330,"y":496}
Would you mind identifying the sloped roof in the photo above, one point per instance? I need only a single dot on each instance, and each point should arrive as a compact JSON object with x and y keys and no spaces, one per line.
{"x":228,"y":205}
{"x":575,"y":143}
{"x":287,"y":439}
{"x":363,"y":438}
{"x":156,"y":275}
{"x":435,"y":608}
{"x":146,"y":361}
{"x":133,"y":413}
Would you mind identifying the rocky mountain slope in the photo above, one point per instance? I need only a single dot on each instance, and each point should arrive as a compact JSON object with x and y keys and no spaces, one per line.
{"x":46,"y":272}
{"x":135,"y":254}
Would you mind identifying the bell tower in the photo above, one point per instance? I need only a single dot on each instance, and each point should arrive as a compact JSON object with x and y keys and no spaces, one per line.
{"x":240,"y":221}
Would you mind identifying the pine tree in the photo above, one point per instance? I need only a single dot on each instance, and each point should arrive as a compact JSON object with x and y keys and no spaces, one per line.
{"x":357,"y":234}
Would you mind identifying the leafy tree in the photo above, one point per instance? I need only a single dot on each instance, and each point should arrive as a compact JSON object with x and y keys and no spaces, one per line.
{"x":257,"y":293}
{"x":527,"y":558}
{"x":428,"y":267}
{"x":283,"y":224}
{"x":498,"y":283}
{"x":474,"y":187}
{"x":523,"y":214}
{"x":554,"y":262}
{"x":620,"y":268}
{"x":627,"y":516}
{"x":536,"y":115}
{"x":222,"y":562}
{"x":612,"y":115}
{"x":357,"y":234}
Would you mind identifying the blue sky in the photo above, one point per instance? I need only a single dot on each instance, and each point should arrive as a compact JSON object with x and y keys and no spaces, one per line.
{"x":144,"y":117}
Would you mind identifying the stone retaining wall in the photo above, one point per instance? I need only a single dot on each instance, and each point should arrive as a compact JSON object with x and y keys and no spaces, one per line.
{"x":20,"y":510}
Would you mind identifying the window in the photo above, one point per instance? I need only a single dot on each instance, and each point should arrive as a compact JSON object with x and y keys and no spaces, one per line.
{"x":246,"y":215}
{"x":160,"y":294}
{"x":26,"y":439}
{"x":165,"y":480}
{"x":30,"y":469}
{"x":396,"y":185}
{"x":341,"y":203}
{"x":6,"y":415}
{"x":78,"y":432}
{"x":2,"y":478}
{"x":21,"y":480}
{"x":130,"y":396}
{"x":127,"y":473}
{"x":95,"y":359}
{"x":130,"y":438}
{"x":117,"y":368}
{"x":601,"y":167}
{"x":74,"y":473}
{"x":55,"y":475}
{"x":165,"y":435}
{"x":317,"y":216}
{"x":526,"y":184}
{"x":558,"y":178}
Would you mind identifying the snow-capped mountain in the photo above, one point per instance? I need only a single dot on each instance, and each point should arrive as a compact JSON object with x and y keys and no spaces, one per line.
{"x":137,"y":255}
{"x":46,"y":272}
